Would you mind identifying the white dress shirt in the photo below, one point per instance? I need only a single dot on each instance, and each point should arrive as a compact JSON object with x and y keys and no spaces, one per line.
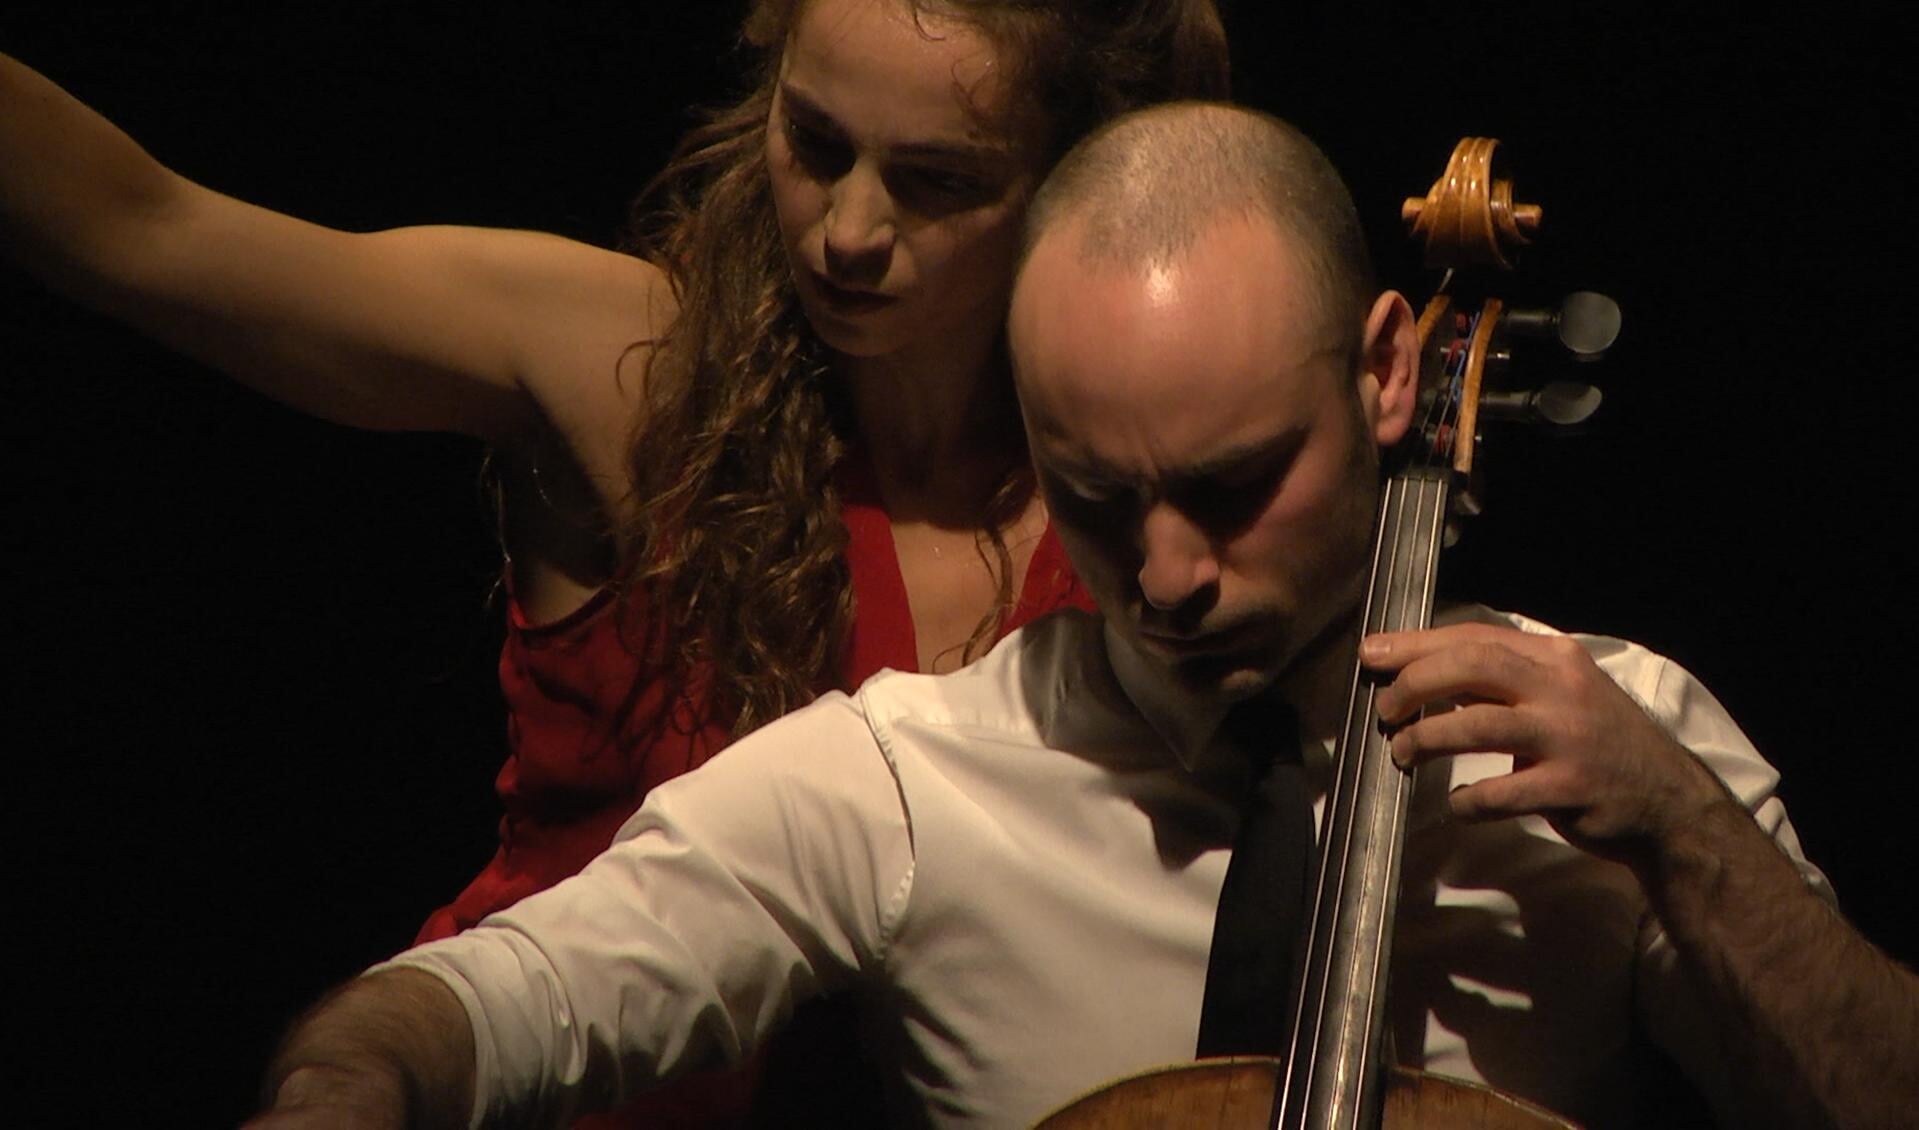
{"x":1018,"y":875}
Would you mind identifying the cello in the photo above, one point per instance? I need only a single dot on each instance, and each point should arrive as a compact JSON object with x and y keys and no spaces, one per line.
{"x":1336,"y":1075}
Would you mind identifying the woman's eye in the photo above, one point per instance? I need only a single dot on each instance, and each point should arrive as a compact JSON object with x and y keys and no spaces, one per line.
{"x":954,"y":183}
{"x":936,"y":190}
{"x":818,"y":152}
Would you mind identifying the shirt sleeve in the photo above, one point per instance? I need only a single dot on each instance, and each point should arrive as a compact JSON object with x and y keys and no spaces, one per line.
{"x":774,"y":872}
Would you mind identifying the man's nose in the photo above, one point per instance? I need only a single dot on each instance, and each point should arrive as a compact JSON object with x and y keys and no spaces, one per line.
{"x":1177,"y":558}
{"x":859,"y":229}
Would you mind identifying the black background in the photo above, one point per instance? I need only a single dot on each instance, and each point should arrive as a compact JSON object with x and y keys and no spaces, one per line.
{"x":250,"y":655}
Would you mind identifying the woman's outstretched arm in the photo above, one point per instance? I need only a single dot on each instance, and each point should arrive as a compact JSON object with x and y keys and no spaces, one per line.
{"x":436,"y":328}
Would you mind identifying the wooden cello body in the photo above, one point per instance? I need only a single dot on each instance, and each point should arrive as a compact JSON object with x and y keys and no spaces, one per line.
{"x":1336,"y":1076}
{"x":1240,"y":1094}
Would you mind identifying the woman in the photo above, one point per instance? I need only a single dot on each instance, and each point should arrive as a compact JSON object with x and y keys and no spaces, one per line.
{"x":770,"y":453}
{"x":844,"y":237}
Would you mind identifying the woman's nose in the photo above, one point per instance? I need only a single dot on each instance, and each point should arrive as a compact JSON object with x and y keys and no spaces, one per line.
{"x":859,"y":229}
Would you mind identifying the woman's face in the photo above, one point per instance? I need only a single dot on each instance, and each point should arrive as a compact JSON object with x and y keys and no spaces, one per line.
{"x":900,"y":173}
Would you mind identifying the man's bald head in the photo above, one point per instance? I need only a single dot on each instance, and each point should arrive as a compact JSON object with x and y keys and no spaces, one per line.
{"x":1140,"y":191}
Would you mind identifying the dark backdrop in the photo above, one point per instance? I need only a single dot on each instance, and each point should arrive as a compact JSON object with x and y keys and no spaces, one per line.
{"x":250,"y":656}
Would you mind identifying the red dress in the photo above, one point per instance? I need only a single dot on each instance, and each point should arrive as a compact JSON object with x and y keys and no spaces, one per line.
{"x":588,"y":736}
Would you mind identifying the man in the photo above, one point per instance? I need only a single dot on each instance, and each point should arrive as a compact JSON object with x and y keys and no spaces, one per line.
{"x":1017,"y":866}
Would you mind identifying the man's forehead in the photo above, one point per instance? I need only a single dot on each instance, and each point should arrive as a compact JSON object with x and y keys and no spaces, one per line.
{"x":1170,"y":361}
{"x":1241,"y":274}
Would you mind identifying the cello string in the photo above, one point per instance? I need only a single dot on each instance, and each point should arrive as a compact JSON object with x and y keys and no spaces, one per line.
{"x":1387,"y":807}
{"x":1358,"y":818}
{"x":1339,"y":822}
{"x":1442,"y":409}
{"x":1454,"y":378}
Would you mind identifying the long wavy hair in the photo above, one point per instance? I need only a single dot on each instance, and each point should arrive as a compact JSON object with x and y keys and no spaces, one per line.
{"x":733,"y":548}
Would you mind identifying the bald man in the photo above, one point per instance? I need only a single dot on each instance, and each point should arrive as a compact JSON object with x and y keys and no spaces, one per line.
{"x":1016,"y":867}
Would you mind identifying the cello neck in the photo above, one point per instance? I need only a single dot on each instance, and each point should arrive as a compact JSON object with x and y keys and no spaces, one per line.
{"x":1333,"y":1075}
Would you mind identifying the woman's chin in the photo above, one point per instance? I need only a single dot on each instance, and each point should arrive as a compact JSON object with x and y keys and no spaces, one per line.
{"x":853,"y":340}
{"x":865,"y":333}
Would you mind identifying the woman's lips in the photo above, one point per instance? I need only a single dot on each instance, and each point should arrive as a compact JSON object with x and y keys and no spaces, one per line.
{"x":845,"y":301}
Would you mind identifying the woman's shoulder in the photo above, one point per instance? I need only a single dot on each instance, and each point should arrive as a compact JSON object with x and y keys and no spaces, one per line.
{"x":590,"y":294}
{"x":588,"y":363}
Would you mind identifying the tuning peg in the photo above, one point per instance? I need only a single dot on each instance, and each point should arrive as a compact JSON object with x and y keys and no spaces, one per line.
{"x":1560,"y":404}
{"x":1586,"y":323}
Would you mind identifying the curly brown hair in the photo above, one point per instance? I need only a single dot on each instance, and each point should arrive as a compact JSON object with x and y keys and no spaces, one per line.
{"x":733,"y":545}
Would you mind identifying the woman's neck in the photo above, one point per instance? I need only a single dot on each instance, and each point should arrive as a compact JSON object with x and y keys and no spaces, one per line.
{"x":939,"y":430}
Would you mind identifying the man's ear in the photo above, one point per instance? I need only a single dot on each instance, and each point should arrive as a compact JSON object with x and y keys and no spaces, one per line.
{"x":1389,"y":367}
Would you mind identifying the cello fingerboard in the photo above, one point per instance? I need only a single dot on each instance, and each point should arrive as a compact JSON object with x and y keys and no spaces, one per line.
{"x":1333,"y":1078}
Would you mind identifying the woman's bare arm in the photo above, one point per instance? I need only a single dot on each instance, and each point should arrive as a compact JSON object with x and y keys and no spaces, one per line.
{"x":435,"y":328}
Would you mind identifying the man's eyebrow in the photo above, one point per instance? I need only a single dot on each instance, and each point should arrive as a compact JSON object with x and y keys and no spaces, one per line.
{"x":953,"y":150}
{"x":1084,"y":478}
{"x":1090,"y":471}
{"x":1272,"y":448}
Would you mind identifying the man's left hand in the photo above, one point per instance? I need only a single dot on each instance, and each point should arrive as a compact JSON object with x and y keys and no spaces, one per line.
{"x":1586,"y":756}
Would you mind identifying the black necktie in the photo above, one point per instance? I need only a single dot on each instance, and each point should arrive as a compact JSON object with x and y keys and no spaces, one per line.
{"x":1263,"y":900}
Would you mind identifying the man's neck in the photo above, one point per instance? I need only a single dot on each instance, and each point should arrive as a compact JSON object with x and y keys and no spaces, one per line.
{"x":1184,"y":721}
{"x":1315,"y":685}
